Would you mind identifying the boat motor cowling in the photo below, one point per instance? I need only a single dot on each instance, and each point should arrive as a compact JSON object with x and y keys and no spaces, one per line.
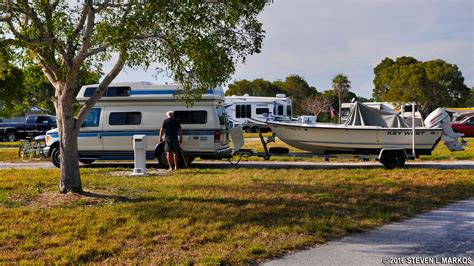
{"x":440,"y":118}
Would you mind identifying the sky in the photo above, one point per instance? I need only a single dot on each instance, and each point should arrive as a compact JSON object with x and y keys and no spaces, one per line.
{"x":320,"y":38}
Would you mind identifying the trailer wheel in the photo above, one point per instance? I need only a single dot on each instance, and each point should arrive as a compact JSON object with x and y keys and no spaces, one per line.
{"x":393,"y":159}
{"x":86,"y":161}
{"x":55,"y":157}
{"x":11,"y":136}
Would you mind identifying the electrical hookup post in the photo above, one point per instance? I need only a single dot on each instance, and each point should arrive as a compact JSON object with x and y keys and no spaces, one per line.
{"x":139,"y":152}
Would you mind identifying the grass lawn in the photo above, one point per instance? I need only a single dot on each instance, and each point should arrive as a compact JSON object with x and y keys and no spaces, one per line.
{"x":6,"y":144}
{"x":207,"y":216}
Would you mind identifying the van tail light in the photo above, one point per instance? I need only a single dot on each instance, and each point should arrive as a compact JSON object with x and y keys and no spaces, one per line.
{"x":217,"y":136}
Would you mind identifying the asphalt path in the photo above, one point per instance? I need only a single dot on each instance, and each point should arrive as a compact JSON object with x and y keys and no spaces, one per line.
{"x":446,"y":233}
{"x":261,"y":164}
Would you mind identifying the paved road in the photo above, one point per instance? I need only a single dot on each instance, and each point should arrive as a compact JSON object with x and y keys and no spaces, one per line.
{"x":446,"y":232}
{"x":266,"y":164}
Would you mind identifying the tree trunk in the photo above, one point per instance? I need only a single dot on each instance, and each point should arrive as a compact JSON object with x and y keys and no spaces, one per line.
{"x":70,"y":179}
{"x":339,"y":114}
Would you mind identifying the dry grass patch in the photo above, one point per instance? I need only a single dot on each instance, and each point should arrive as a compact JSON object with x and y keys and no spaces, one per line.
{"x":208,"y":216}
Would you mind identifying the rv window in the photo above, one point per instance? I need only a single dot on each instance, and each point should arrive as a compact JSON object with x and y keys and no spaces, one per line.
{"x":237,"y":111}
{"x":243,"y":111}
{"x":110,"y":92}
{"x":260,"y":111}
{"x":93,"y":118}
{"x":288,"y":110}
{"x":191,"y":117}
{"x":280,"y":109}
{"x":125,"y":118}
{"x":407,"y":108}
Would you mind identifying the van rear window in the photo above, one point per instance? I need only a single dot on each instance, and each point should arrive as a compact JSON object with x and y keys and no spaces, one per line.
{"x":191,"y":117}
{"x":125,"y":118}
{"x":110,"y":92}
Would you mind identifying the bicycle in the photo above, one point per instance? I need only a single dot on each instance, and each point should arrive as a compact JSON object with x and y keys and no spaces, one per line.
{"x":30,"y":149}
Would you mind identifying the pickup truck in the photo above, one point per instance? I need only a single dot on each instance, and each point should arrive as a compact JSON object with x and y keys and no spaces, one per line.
{"x":34,"y":125}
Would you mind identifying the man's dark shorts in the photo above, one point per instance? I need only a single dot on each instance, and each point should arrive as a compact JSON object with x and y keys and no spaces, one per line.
{"x":171,"y":145}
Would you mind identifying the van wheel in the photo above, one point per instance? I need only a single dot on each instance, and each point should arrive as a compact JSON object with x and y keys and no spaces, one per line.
{"x":163,"y":160}
{"x":161,"y":156}
{"x":85,"y":161}
{"x":11,"y":136}
{"x":55,"y":157}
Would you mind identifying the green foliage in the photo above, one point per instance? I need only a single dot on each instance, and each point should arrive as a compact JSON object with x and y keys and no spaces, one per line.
{"x":470,"y":102}
{"x":39,"y":91}
{"x":11,"y":85}
{"x":296,"y":87}
{"x":430,"y":84}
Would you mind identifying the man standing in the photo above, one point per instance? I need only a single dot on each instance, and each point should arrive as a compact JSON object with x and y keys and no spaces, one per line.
{"x":171,"y":127}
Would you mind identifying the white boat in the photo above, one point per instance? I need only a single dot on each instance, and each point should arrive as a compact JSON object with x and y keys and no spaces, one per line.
{"x":369,"y":131}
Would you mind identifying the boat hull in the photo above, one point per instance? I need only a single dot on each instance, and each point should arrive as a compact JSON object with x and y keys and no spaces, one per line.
{"x":340,"y":139}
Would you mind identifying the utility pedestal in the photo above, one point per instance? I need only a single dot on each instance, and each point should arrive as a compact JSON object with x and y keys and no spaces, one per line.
{"x":139,"y":150}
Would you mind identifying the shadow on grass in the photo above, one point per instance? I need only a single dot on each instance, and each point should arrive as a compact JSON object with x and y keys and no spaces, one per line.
{"x":291,"y":165}
{"x":99,"y":196}
{"x":316,"y":209}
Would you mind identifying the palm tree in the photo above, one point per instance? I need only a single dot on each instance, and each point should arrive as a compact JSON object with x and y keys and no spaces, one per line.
{"x":341,"y":85}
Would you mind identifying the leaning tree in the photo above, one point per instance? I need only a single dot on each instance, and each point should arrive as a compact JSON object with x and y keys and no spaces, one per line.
{"x":198,"y":41}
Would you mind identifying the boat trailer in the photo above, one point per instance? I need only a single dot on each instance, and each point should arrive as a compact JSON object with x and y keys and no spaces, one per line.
{"x":284,"y":152}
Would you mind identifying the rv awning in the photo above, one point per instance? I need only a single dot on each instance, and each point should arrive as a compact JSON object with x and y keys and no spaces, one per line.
{"x":362,"y":115}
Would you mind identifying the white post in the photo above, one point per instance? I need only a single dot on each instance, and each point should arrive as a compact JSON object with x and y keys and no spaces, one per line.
{"x":139,"y":150}
{"x":413,"y":129}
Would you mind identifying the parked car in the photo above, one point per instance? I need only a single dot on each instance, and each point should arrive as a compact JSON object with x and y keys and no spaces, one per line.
{"x":34,"y":125}
{"x":466,"y":126}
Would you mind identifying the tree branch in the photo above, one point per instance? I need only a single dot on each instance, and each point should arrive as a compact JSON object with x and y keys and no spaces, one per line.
{"x":81,"y":116}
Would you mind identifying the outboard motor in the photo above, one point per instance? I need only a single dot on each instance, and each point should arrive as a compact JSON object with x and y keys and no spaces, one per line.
{"x":440,"y":118}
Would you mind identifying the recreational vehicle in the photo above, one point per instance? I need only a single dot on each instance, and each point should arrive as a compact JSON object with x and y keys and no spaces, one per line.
{"x":252,"y":111}
{"x":128,"y":109}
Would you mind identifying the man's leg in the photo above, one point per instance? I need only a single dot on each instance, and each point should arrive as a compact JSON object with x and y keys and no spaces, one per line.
{"x":170,"y":163}
{"x":175,"y":160}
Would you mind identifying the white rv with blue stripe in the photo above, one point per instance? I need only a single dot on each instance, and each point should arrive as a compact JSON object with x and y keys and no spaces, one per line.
{"x":139,"y":108}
